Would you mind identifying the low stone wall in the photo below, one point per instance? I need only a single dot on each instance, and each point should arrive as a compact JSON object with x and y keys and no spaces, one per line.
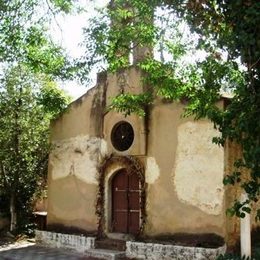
{"x":135,"y":250}
{"x":58,"y":240}
{"x":158,"y":251}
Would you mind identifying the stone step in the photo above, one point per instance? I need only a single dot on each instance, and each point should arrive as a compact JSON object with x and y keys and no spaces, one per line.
{"x":105,"y":254}
{"x":111,"y":244}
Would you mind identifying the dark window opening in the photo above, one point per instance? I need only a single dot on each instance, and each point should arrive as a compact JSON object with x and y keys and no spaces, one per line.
{"x":122,"y":136}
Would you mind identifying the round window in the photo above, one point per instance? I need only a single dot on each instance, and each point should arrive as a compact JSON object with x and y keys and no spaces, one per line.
{"x":122,"y":136}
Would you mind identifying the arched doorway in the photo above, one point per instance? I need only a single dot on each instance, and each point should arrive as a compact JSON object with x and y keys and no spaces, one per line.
{"x":126,"y":197}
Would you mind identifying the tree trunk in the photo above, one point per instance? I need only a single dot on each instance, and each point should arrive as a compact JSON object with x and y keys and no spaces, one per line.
{"x":17,"y":133}
{"x":13,"y":213}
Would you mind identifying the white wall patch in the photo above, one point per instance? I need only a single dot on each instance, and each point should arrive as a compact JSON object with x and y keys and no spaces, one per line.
{"x":152,"y":170}
{"x":199,"y":167}
{"x":76,"y":156}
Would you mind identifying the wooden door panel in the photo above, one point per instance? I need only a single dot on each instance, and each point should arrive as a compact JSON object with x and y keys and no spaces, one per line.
{"x":125,"y":203}
{"x":133,"y":182}
{"x":134,"y":219}
{"x":120,"y":180}
{"x":120,"y":222}
{"x":120,"y":200}
{"x":134,"y":200}
{"x":134,"y":203}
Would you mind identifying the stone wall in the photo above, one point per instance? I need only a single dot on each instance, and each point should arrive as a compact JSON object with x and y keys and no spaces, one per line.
{"x":136,"y":250}
{"x":153,"y":251}
{"x":58,"y":240}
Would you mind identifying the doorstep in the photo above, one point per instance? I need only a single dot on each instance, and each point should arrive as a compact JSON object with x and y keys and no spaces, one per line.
{"x":105,"y":254}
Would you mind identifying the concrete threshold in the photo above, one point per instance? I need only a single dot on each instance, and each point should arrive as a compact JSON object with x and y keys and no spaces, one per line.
{"x":105,"y":254}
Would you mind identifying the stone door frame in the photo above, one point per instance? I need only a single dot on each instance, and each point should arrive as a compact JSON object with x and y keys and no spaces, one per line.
{"x":107,"y":171}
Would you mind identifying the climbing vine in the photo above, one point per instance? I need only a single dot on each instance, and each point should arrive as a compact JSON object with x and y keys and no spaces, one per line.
{"x":132,"y":165}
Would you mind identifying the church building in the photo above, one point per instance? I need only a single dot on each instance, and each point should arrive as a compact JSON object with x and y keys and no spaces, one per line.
{"x":136,"y":176}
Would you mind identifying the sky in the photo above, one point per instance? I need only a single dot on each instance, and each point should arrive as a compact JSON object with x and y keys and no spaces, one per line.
{"x":67,"y":31}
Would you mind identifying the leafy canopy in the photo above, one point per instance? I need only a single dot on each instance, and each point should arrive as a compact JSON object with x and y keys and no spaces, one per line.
{"x":226,"y":32}
{"x":29,"y":98}
{"x":24,"y":36}
{"x":27,"y":103}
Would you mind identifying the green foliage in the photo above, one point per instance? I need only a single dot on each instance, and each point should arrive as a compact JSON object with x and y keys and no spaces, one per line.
{"x":27,"y":103}
{"x":29,"y":98}
{"x":62,"y":5}
{"x":52,"y":99}
{"x":109,"y":44}
{"x":42,"y":55}
{"x":130,"y":103}
{"x":228,"y":34}
{"x":24,"y":38}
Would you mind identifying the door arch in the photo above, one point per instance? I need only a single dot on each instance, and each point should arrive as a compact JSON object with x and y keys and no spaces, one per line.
{"x":126,"y":197}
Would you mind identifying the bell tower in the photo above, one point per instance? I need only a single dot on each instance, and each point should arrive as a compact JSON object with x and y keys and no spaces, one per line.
{"x":127,"y":135}
{"x":131,"y":46}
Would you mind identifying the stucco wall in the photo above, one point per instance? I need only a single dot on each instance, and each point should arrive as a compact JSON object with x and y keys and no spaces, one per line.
{"x":139,"y":144}
{"x":83,"y":116}
{"x":128,"y":81}
{"x":183,"y":169}
{"x":184,"y":173}
{"x":77,"y":147}
{"x":73,"y":182}
{"x":80,"y":139}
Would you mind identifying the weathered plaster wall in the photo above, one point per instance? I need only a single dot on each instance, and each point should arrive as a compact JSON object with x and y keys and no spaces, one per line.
{"x":77,"y":148}
{"x":84,"y":116}
{"x":139,"y":144}
{"x":152,"y":170}
{"x":232,"y":152}
{"x":78,"y":157}
{"x":184,"y":173}
{"x":125,"y":81}
{"x":201,"y":163}
{"x":73,"y":182}
{"x":80,"y":139}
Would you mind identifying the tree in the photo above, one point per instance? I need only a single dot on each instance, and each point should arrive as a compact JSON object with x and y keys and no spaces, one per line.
{"x":30,"y":62}
{"x":227,"y":32}
{"x":27,"y":103}
{"x":17,"y":20}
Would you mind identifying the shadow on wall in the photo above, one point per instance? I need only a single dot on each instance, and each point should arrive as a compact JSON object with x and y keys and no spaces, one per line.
{"x":59,"y":228}
{"x":207,"y":240}
{"x":4,"y":222}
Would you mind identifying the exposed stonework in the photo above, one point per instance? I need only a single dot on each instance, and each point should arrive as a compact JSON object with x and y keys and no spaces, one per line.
{"x":58,"y":240}
{"x":201,"y":163}
{"x":153,"y":251}
{"x":136,"y":250}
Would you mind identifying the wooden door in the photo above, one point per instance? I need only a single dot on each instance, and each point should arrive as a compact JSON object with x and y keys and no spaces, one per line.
{"x":125,"y":203}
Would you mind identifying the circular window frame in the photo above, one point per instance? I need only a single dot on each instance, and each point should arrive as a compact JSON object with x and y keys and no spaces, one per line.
{"x":122,"y":144}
